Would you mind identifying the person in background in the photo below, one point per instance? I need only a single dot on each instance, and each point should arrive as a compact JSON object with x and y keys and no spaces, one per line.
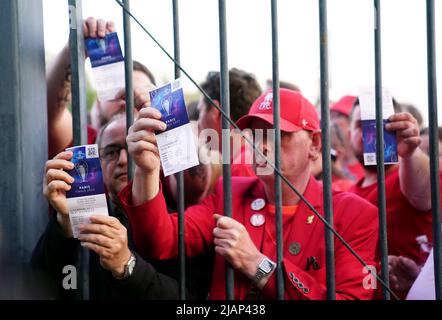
{"x":408,"y":199}
{"x":244,"y":89}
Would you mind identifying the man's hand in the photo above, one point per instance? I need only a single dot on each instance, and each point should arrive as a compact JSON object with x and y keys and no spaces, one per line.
{"x":97,"y":28}
{"x":407,"y":133}
{"x":141,"y":96}
{"x":403,"y":272}
{"x":107,"y":237}
{"x":141,"y":141}
{"x":232,"y":241}
{"x":55,"y":184}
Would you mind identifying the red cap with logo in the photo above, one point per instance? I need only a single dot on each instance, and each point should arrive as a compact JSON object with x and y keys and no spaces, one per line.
{"x":297,"y":113}
{"x":344,"y":105}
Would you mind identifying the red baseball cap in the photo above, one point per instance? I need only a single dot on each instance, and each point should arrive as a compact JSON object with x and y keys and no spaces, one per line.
{"x":344,"y":105}
{"x":297,"y":113}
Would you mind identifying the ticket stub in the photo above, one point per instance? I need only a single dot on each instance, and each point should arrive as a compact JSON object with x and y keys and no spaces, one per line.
{"x":107,"y":65}
{"x":87,"y":195}
{"x":367,"y":101}
{"x":177,"y":145}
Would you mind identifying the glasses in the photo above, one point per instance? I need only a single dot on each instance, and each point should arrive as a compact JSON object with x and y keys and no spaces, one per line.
{"x":112,"y":152}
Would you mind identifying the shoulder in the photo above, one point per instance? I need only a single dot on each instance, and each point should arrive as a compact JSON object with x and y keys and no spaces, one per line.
{"x":350,"y":206}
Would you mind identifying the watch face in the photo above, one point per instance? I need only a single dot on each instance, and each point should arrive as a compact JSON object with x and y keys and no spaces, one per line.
{"x":266,"y":266}
{"x":130,"y":266}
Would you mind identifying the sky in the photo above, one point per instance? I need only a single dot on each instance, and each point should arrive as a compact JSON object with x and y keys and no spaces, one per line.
{"x":350,"y":29}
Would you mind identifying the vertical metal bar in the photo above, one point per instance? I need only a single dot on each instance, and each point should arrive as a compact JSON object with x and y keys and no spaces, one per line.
{"x":128,"y":71}
{"x":326,"y":160}
{"x":79,"y":116}
{"x":225,"y":104}
{"x":380,"y":152}
{"x":276,"y":126}
{"x":434,"y":149}
{"x":179,"y":176}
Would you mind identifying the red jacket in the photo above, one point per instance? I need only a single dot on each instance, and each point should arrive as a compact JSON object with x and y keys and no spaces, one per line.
{"x":155,"y":234}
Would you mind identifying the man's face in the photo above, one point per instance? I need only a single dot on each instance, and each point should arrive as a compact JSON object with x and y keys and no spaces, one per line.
{"x":113,"y":156}
{"x":342,"y":122}
{"x":296,"y":153}
{"x":108,"y":108}
{"x":356,"y":134}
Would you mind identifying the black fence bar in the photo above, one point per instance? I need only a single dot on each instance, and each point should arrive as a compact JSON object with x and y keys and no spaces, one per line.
{"x":128,"y":71}
{"x":434,"y":149}
{"x":179,"y":176}
{"x":326,"y":159}
{"x":79,"y":114}
{"x":225,"y":104}
{"x":380,"y":152}
{"x":276,"y":125}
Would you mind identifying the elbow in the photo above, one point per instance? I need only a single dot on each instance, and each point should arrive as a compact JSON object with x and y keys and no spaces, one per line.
{"x":421,"y":203}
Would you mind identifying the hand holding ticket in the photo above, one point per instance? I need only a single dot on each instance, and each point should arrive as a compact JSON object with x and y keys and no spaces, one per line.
{"x":107,"y":65}
{"x":86,"y":196}
{"x":176,"y":144}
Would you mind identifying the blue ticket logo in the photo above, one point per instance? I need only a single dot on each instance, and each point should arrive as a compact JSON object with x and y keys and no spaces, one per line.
{"x":103,"y":51}
{"x":87,"y":173}
{"x":171,"y":105}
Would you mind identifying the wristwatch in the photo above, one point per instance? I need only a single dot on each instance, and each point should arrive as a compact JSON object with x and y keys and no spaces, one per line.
{"x":264,"y":269}
{"x":129,"y":267}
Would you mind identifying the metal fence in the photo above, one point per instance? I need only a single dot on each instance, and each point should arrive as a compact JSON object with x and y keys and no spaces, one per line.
{"x":79,"y":108}
{"x":79,"y":118}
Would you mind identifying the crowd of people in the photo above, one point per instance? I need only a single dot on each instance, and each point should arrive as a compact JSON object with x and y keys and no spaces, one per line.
{"x":134,"y":251}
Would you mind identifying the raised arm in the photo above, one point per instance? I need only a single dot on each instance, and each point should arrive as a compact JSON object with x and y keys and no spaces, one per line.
{"x":58,"y":80}
{"x":414,"y":168}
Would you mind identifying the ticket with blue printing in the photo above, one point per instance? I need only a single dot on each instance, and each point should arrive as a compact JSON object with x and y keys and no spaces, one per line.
{"x":367,"y":102}
{"x":177,"y":144}
{"x":107,"y":65}
{"x":87,"y":195}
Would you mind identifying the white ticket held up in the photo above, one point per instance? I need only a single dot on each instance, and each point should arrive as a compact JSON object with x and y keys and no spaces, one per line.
{"x":177,"y":145}
{"x":367,"y":102}
{"x":87,"y":195}
{"x":107,"y":65}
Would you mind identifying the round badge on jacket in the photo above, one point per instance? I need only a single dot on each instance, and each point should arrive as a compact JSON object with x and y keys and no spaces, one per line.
{"x":258,"y":204}
{"x":257,"y":220}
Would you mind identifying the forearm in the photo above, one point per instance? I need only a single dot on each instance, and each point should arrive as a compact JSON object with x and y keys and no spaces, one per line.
{"x":145,"y":186}
{"x":57,"y":74}
{"x":414,"y":179}
{"x":58,"y":99}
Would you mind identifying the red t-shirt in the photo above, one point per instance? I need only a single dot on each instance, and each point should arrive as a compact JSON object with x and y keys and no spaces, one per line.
{"x":404,"y":222}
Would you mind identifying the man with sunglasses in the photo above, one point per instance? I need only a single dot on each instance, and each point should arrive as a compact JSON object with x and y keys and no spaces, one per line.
{"x":247,"y":241}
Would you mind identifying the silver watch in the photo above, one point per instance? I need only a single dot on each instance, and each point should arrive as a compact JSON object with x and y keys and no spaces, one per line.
{"x":129,"y":267}
{"x":264,"y":269}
